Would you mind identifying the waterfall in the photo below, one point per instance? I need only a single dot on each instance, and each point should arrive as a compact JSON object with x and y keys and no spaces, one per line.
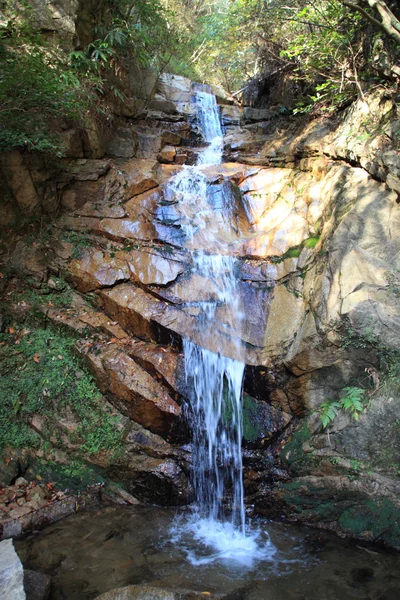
{"x":214,"y":381}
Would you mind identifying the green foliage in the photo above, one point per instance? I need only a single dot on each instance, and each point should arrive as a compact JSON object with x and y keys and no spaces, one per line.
{"x":311,"y":242}
{"x":38,"y":92}
{"x":328,"y":411}
{"x":388,"y":357}
{"x":41,"y":375}
{"x":353,"y":401}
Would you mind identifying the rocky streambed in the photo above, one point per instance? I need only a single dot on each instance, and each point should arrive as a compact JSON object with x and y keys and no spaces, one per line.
{"x":310,"y":210}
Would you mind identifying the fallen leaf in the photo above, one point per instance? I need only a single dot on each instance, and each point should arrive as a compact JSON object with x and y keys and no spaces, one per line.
{"x":11,"y":330}
{"x":36,"y":358}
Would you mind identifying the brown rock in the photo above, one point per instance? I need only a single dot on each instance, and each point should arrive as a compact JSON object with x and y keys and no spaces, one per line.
{"x":20,"y":183}
{"x":96,"y":269}
{"x":143,"y":399}
{"x":137,"y":176}
{"x":151,"y":267}
{"x":167,"y":154}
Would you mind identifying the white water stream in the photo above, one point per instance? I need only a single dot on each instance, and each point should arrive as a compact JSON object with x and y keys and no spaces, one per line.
{"x":215,"y":381}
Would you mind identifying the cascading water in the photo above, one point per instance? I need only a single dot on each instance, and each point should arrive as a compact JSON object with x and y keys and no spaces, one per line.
{"x":215,"y":381}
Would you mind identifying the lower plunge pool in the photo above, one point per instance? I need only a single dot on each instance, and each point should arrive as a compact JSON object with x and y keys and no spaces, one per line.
{"x":92,"y":552}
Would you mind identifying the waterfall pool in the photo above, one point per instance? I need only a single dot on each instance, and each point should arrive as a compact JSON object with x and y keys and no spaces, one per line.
{"x":98,"y":550}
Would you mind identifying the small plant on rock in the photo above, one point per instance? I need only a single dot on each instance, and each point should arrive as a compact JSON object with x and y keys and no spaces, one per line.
{"x":353,"y":402}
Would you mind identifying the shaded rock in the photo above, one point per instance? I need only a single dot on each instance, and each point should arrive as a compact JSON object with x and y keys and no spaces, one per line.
{"x":142,"y":82}
{"x":31,"y":260}
{"x":87,"y":170}
{"x":20,"y":183}
{"x":59,"y":16}
{"x":165,"y":106}
{"x":72,"y":144}
{"x":78,"y":194}
{"x":37,"y":585}
{"x":11,"y":573}
{"x":251,"y":115}
{"x":123,"y":143}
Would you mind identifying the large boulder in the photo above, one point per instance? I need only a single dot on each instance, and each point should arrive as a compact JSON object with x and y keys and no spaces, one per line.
{"x":11,"y":573}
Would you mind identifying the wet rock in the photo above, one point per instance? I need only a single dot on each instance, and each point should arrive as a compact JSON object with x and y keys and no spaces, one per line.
{"x":137,"y":177}
{"x":37,"y":585}
{"x":231,"y":115}
{"x":11,"y":573}
{"x":152,"y":267}
{"x":96,"y":269}
{"x":161,"y":362}
{"x":134,"y":592}
{"x":135,"y":392}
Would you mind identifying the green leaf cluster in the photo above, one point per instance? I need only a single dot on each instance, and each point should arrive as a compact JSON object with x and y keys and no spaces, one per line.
{"x":353,"y":402}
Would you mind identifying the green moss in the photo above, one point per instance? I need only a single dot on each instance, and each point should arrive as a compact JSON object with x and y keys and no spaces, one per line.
{"x":293,"y":453}
{"x":75,"y":476}
{"x":40,"y":374}
{"x":292,"y":253}
{"x":252,"y":427}
{"x":311,"y":242}
{"x":79,"y":239}
{"x":36,"y":298}
{"x":380,"y":517}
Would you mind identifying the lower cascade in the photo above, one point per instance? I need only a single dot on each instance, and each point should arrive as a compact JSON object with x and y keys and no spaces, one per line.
{"x":215,"y":381}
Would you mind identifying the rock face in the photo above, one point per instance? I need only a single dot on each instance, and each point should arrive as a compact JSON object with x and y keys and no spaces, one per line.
{"x":311,"y":212}
{"x":11,"y":573}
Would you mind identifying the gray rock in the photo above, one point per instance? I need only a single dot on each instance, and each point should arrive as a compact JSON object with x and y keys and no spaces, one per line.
{"x":11,"y":573}
{"x":37,"y":585}
{"x":165,"y":106}
{"x":122,"y":144}
{"x":255,"y":114}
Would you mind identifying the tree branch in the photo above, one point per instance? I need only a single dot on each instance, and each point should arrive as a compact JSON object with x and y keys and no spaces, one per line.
{"x":389,"y":24}
{"x":360,"y":9}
